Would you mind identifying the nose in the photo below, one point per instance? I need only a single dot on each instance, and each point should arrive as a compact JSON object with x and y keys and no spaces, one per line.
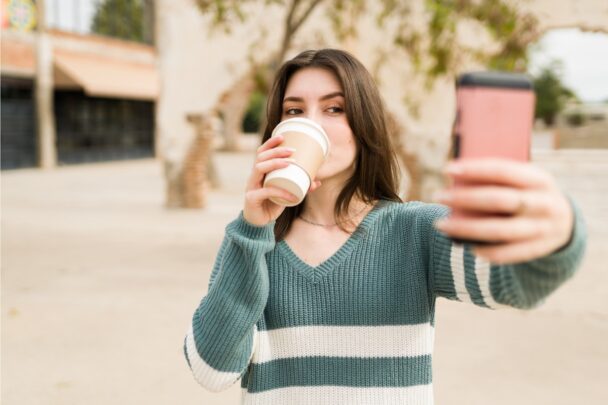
{"x":314,"y":116}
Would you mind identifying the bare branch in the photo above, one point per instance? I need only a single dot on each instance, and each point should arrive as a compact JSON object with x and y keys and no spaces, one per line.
{"x":288,"y":31}
{"x":305,"y":15}
{"x":292,"y":10}
{"x":292,"y":27}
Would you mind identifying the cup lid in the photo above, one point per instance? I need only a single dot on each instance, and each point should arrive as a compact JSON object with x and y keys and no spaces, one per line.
{"x":299,"y":121}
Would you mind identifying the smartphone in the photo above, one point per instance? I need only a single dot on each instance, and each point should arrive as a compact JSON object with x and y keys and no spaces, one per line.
{"x":494,"y":118}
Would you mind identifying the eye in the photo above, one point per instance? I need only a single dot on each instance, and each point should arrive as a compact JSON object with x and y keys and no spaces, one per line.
{"x":293,"y":111}
{"x":335,"y":109}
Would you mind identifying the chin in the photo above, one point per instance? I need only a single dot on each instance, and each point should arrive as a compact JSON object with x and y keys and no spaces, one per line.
{"x":328,"y":173}
{"x":321,"y":174}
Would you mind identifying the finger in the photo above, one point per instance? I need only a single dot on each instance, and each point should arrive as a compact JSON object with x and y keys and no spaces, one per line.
{"x":516,"y":252}
{"x":481,"y":198}
{"x":261,"y":194}
{"x":493,"y":229}
{"x":315,"y":185}
{"x":270,"y":143}
{"x":262,"y":168}
{"x":499,"y":171}
{"x":275,"y":153}
{"x":493,"y":199}
{"x":269,"y":165}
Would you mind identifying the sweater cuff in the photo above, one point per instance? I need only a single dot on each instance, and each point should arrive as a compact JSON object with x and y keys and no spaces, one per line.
{"x":242,"y":228}
{"x":529,"y":283}
{"x":571,"y":253}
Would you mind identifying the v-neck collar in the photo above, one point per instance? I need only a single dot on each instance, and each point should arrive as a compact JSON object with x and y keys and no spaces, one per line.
{"x":316,"y":273}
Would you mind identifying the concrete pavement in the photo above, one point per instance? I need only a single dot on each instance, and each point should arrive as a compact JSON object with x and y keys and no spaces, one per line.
{"x":99,"y":283}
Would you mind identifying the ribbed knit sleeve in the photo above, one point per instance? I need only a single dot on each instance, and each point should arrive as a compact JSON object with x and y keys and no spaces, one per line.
{"x":456,"y":273}
{"x":221,"y":338}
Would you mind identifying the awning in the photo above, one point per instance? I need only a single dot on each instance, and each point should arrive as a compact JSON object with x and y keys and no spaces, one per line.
{"x":106,"y":77}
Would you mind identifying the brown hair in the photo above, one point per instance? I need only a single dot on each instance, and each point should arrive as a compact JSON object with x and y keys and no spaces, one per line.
{"x":376,"y":174}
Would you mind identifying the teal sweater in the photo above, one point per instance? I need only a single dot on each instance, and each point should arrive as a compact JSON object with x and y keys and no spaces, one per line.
{"x":358,"y":328}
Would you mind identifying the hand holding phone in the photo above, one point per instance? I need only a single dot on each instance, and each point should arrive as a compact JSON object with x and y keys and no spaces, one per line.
{"x":494,"y":117}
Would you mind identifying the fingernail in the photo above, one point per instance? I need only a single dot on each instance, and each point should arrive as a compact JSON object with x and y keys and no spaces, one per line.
{"x":290,"y":149}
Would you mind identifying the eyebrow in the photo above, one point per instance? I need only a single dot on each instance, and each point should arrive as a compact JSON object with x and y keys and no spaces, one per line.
{"x":325,"y":97}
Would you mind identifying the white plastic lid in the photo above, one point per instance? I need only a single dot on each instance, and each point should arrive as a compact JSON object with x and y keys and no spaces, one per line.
{"x":306,"y":126}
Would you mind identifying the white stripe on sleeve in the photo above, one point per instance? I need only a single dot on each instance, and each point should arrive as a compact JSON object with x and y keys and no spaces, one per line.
{"x":457,"y":267}
{"x":482,"y":271}
{"x":207,"y":376}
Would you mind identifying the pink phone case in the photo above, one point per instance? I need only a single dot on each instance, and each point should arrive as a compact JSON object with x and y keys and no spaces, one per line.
{"x":495,"y":113}
{"x":494,"y":120}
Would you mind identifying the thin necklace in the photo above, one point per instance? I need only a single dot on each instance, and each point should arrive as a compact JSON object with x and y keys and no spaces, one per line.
{"x":334,"y":224}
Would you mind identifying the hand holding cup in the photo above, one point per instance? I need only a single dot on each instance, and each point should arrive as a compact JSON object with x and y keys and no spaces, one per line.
{"x":259,"y":209}
{"x":310,"y":146}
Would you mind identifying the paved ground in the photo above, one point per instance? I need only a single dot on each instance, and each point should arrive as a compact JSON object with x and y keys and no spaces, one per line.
{"x":99,"y":282}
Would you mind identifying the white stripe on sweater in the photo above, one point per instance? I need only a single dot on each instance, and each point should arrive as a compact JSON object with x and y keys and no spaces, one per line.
{"x":206,"y":375}
{"x":335,"y":395}
{"x":345,"y":341}
{"x":457,"y":267}
{"x":482,"y":271}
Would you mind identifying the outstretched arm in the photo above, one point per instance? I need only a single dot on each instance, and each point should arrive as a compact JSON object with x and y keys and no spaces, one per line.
{"x":535,"y":235}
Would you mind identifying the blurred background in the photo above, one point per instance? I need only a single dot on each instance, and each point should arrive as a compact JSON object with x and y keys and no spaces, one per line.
{"x":127,"y":133}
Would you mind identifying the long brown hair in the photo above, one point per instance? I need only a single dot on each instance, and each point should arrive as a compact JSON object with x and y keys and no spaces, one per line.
{"x":376,"y":174}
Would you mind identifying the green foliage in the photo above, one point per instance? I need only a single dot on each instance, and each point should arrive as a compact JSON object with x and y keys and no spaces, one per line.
{"x":433,"y":49}
{"x":119,"y":19}
{"x":508,"y":27}
{"x":344,"y":15}
{"x":228,"y":12}
{"x":576,"y":119}
{"x":255,"y":111}
{"x":551,"y":94}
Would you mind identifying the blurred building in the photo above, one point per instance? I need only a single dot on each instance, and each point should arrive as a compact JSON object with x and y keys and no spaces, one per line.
{"x":106,"y":90}
{"x":104,"y":80}
{"x":582,"y":126}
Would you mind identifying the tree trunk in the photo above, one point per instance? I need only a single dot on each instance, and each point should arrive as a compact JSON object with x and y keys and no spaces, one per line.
{"x":148,"y":21}
{"x":190,"y":188}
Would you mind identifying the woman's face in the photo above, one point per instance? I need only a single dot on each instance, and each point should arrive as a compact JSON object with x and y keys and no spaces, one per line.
{"x":316,"y":94}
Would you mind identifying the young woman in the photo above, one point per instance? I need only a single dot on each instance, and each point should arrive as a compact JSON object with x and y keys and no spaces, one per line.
{"x":332,"y":301}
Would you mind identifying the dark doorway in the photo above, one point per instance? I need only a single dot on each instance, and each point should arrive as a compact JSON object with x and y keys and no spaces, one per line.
{"x":92,"y":129}
{"x":18,"y":124}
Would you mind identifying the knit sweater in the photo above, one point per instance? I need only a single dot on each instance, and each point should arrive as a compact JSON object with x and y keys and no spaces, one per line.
{"x":359,"y":327}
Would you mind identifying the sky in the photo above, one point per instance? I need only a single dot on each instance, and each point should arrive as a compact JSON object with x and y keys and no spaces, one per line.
{"x":74,"y":15}
{"x":584,"y":56}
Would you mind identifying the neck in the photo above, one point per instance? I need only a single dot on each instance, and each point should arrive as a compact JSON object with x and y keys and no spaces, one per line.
{"x":319,"y":205}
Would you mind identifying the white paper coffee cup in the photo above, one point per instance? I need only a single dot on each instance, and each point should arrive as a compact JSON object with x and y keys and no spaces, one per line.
{"x":311,"y":146}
